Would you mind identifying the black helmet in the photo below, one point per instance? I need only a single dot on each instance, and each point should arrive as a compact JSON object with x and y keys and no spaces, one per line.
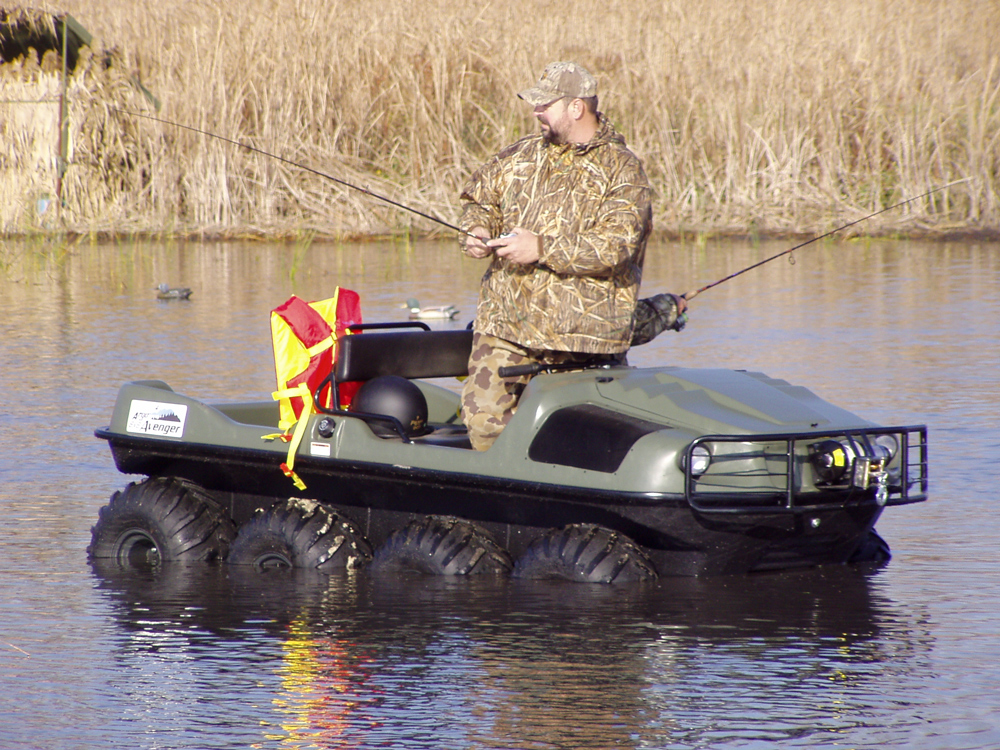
{"x":396,"y":397}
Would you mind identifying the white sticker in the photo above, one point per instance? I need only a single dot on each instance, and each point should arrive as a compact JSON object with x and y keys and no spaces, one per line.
{"x":154,"y":418}
{"x":319,"y":449}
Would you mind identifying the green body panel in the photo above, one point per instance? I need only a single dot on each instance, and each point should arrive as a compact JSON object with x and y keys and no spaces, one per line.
{"x":688,"y":403}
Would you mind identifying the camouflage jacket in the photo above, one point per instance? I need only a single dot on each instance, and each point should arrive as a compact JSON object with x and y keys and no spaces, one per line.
{"x":590,"y":204}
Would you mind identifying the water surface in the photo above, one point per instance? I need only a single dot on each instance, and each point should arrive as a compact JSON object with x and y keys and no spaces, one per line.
{"x":195,"y":657}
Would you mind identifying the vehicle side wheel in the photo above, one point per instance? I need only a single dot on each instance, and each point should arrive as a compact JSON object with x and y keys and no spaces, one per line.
{"x":298,"y":533}
{"x":161,"y":519}
{"x":874,"y":549}
{"x":586,"y":553}
{"x":442,"y":545}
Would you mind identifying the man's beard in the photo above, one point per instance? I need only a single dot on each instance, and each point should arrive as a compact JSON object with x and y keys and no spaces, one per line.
{"x":552,"y":138}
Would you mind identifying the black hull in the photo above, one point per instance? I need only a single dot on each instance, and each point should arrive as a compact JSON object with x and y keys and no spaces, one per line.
{"x":380,"y":498}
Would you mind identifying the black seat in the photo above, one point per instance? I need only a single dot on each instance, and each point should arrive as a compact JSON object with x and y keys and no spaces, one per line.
{"x":408,"y":354}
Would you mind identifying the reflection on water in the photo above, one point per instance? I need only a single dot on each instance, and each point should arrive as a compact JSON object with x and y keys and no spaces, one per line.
{"x":364,"y":661}
{"x":209,"y":657}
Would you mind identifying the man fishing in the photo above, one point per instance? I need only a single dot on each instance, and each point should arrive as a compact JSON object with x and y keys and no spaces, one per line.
{"x":569,"y":211}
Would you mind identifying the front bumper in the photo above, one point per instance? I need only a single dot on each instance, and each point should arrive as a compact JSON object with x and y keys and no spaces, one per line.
{"x":777,"y":472}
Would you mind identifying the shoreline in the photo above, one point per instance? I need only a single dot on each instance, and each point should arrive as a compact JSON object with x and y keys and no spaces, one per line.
{"x":951,"y":234}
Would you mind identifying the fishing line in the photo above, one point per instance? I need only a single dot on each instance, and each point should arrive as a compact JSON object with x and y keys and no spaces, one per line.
{"x":691,"y":295}
{"x":688,"y":296}
{"x":337,"y":180}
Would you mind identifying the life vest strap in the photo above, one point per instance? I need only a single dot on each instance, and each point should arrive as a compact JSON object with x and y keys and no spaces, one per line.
{"x":288,"y":467}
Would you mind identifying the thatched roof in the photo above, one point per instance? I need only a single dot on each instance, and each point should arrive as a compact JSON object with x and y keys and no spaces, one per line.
{"x":25,"y":31}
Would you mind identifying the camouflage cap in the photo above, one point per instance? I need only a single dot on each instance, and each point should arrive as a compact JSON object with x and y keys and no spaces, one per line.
{"x":560,"y":79}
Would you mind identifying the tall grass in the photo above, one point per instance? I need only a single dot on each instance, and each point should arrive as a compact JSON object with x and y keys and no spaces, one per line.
{"x":754,"y":117}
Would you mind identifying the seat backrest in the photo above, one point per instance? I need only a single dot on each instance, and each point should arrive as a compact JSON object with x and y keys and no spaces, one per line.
{"x":409,"y":354}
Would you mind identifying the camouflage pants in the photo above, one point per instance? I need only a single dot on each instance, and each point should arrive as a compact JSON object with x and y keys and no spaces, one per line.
{"x":489,"y":401}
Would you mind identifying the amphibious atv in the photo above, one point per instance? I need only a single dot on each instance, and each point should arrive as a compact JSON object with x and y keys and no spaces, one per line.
{"x":607,"y":473}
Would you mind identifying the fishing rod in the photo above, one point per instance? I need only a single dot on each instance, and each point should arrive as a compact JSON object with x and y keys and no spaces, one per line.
{"x":337,"y":180}
{"x":692,"y":294}
{"x":687,"y":296}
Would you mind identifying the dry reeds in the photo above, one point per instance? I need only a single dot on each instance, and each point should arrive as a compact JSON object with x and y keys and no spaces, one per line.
{"x":762,"y":116}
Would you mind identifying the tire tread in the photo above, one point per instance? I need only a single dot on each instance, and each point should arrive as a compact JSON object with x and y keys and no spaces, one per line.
{"x":443,"y":545}
{"x":186,"y":522}
{"x":586,"y":553}
{"x":308,"y":534}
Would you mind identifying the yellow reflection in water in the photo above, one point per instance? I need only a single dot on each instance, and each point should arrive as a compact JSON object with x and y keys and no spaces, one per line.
{"x":315,"y":685}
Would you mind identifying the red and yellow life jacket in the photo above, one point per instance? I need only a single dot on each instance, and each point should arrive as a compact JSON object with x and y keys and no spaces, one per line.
{"x":304,"y":337}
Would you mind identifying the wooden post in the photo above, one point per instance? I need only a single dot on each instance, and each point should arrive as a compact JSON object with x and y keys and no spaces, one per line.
{"x":63,"y":135}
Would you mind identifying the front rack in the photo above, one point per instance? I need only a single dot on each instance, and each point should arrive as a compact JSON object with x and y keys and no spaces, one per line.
{"x":774,"y":472}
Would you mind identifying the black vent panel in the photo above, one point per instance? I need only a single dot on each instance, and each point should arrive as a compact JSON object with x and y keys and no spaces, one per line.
{"x":588,"y":437}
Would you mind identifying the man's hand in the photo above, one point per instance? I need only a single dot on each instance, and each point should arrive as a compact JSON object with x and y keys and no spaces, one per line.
{"x":475,"y":247}
{"x":518,"y":246}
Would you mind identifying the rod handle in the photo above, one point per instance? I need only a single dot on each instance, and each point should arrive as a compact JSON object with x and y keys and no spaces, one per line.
{"x":516,"y":371}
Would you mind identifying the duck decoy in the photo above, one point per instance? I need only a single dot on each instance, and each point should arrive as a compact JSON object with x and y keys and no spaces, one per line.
{"x":443,"y":312}
{"x":163,"y":291}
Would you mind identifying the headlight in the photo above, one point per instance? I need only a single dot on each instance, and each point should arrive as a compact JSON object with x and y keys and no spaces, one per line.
{"x":888,"y":445}
{"x":701,"y":459}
